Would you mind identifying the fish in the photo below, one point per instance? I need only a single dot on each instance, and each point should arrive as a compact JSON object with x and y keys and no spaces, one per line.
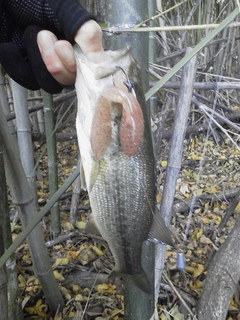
{"x":117,"y":163}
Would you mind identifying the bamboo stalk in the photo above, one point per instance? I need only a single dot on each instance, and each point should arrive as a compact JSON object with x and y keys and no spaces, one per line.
{"x":75,"y":198}
{"x":174,"y":159}
{"x":143,"y":307}
{"x":5,"y":105}
{"x":52,"y":159}
{"x":118,"y":30}
{"x":14,"y":306}
{"x":24,"y":134}
{"x":22,"y":196}
{"x":3,"y":209}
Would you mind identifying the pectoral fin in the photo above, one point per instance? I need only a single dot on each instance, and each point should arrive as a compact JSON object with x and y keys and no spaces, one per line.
{"x":159,"y":231}
{"x":82,"y":176}
{"x":93,"y":175}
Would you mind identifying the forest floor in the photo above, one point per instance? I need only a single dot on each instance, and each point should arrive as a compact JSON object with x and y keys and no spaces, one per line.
{"x":81,"y":262}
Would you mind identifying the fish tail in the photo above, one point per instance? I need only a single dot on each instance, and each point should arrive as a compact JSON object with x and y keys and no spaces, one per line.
{"x":140,"y":279}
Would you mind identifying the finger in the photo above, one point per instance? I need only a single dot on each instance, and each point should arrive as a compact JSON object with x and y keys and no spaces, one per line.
{"x":58,"y":57}
{"x":43,"y":77}
{"x":89,"y":37}
{"x":65,"y":53}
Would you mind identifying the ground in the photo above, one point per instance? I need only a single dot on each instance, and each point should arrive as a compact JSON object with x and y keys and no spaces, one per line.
{"x":82,"y":262}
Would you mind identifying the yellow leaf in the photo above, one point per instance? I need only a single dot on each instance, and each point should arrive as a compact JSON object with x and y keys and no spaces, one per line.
{"x":80,"y":224}
{"x":97,"y":251}
{"x":189,"y":269}
{"x":71,"y":314}
{"x":40,"y":309}
{"x":237,"y":207}
{"x":205,"y":220}
{"x":158,"y":197}
{"x":73,"y":254}
{"x":215,"y":218}
{"x":80,"y":298}
{"x":67,"y":226}
{"x":197,"y":233}
{"x":177,"y":314}
{"x":196,"y":285}
{"x":195,"y":156}
{"x":186,"y":195}
{"x":75,"y":288}
{"x":164,"y":163}
{"x":61,"y":262}
{"x":199,"y":270}
{"x":106,"y":288}
{"x":192,"y":145}
{"x":163,"y":316}
{"x":212,"y":190}
{"x":58,"y":275}
{"x":33,"y":285}
{"x":22,"y":281}
{"x":74,"y":147}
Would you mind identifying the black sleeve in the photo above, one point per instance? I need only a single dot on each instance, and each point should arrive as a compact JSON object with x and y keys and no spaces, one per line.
{"x":20,"y":22}
{"x":71,"y":16}
{"x":63,"y":17}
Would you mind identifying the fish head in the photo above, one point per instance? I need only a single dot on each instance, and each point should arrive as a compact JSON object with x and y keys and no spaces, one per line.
{"x":107,"y":102}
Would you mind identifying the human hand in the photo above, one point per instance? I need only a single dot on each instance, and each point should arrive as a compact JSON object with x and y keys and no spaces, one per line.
{"x":58,"y":55}
{"x":22,"y":39}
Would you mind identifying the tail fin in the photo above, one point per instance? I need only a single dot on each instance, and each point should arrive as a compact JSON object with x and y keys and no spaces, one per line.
{"x":140,"y":280}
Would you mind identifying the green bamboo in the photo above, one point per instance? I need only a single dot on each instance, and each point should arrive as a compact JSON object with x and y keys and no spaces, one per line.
{"x":5,"y":104}
{"x":152,"y":58}
{"x":175,"y":156}
{"x":52,"y":158}
{"x":132,"y":13}
{"x":14,"y":305}
{"x":24,"y":134}
{"x":125,"y":13}
{"x":23,"y":198}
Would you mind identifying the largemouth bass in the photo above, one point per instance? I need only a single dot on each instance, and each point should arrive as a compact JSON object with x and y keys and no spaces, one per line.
{"x":117,"y":158}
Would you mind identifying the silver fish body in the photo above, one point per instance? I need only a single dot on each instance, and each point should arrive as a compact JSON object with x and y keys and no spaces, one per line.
{"x":117,"y":158}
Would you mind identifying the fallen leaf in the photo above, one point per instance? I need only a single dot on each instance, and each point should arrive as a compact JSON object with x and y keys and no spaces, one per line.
{"x":205,"y":240}
{"x":58,"y":275}
{"x":164,"y":163}
{"x":199,"y":270}
{"x":61,"y":262}
{"x":197,"y":233}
